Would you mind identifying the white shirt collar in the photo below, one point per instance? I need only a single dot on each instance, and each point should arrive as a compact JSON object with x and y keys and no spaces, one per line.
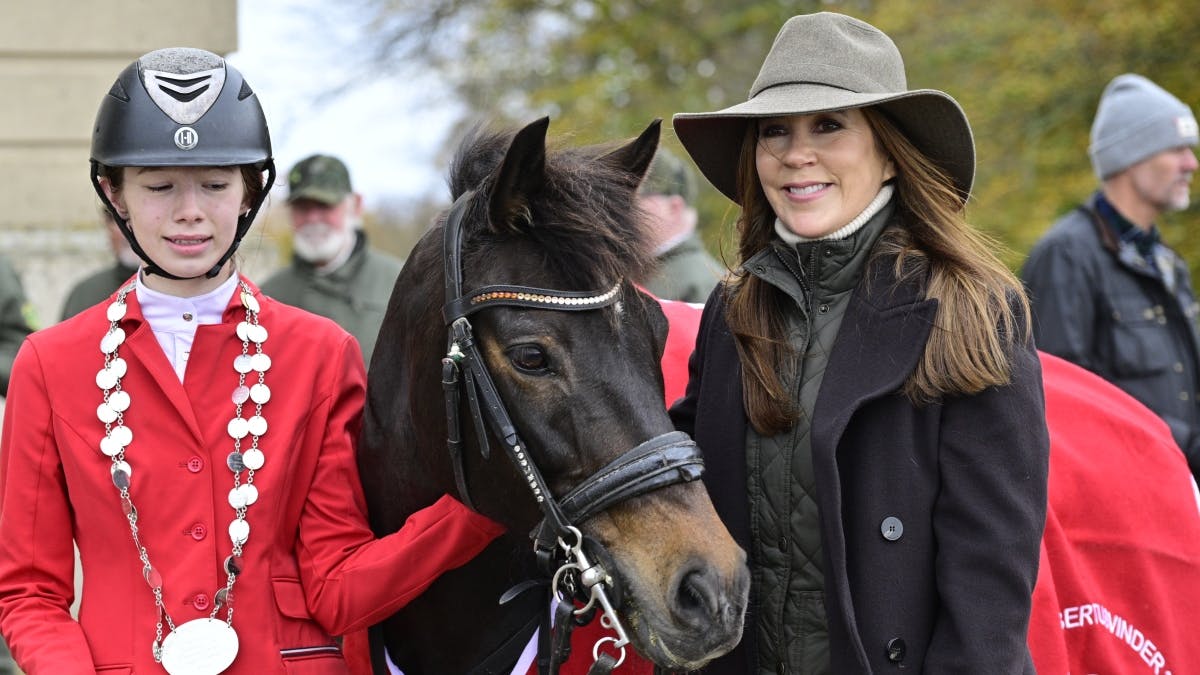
{"x":173,"y":319}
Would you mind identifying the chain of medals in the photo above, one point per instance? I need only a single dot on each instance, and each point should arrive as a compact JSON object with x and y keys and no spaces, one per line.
{"x":208,"y":639}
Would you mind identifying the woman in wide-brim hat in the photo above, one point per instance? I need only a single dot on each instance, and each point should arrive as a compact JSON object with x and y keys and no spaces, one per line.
{"x":864,"y":384}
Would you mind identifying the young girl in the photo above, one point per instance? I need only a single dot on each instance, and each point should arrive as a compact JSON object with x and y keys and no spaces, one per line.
{"x":193,"y":437}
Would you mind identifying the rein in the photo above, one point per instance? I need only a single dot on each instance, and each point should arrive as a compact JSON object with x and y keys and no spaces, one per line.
{"x":664,"y":460}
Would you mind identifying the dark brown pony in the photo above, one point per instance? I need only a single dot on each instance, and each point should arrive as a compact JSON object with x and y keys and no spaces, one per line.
{"x":582,"y":388}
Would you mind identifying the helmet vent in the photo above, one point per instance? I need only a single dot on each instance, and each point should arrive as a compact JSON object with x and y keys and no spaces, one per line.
{"x":183,"y":90}
{"x":118,"y":91}
{"x":184,"y":98}
{"x":246,"y":91}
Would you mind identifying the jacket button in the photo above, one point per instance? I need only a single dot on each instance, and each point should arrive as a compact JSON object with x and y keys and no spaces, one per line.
{"x":823,"y":308}
{"x":895,"y":650}
{"x":201,"y":603}
{"x":892,"y":528}
{"x":198,"y":531}
{"x":195,"y":464}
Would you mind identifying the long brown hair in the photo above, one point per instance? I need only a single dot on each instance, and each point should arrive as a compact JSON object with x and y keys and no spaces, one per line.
{"x":982,"y":309}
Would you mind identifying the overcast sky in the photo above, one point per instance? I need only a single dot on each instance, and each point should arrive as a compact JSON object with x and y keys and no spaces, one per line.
{"x":293,"y":52}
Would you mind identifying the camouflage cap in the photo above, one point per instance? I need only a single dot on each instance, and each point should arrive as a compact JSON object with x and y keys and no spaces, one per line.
{"x":322,"y":178}
{"x":669,"y":175}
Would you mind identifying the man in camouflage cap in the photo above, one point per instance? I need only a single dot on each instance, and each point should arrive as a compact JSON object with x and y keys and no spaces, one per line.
{"x":333,"y":272}
{"x":685,"y":271}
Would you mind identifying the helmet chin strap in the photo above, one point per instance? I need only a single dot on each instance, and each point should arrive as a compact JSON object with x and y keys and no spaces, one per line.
{"x":244,"y":222}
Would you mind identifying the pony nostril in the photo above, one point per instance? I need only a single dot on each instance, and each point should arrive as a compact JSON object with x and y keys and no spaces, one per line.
{"x":697,"y":600}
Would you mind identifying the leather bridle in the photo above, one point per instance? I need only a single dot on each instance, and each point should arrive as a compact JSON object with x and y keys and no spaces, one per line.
{"x":664,"y":460}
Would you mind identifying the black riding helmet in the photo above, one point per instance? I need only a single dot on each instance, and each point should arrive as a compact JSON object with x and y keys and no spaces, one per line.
{"x":181,"y":107}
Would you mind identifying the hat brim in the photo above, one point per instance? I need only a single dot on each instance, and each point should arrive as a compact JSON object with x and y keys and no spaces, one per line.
{"x":316,"y":194}
{"x":931,"y":119}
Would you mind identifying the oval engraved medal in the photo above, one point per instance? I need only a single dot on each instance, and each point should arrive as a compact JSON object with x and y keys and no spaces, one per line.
{"x":199,"y":647}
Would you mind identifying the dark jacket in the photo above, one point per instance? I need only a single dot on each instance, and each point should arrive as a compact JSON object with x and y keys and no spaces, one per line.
{"x":95,"y":288}
{"x":16,"y":319}
{"x":685,"y":272}
{"x":1098,"y":303}
{"x":931,"y":516}
{"x":354,"y":295}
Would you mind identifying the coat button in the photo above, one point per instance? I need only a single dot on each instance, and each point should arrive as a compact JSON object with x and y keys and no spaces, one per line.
{"x":198,"y":531}
{"x":201,"y":603}
{"x":892,"y":528}
{"x":895,"y":650}
{"x":195,"y":464}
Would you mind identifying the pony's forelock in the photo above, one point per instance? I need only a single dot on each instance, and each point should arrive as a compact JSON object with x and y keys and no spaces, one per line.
{"x":583,"y":218}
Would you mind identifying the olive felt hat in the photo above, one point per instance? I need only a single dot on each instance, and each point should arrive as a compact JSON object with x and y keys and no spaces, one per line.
{"x":824,"y":62}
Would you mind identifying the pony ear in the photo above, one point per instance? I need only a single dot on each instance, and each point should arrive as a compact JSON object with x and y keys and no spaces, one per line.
{"x":635,"y":156}
{"x":522,"y":173}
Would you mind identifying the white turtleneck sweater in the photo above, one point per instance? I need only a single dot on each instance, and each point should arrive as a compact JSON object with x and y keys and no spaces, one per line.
{"x":881,"y":198}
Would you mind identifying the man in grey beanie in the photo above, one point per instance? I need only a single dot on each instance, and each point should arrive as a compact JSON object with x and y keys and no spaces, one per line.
{"x":1107,"y":294}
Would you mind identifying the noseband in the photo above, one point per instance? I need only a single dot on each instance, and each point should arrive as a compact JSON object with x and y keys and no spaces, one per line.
{"x":664,"y":460}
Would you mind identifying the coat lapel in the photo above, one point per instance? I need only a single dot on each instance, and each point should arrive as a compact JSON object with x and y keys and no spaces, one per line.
{"x":144,"y":345}
{"x":879,"y":344}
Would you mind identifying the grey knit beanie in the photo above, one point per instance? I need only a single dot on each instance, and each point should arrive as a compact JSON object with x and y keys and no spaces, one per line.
{"x":1136,"y":119}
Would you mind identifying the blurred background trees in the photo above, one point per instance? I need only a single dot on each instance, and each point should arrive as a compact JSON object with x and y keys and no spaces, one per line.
{"x":1028,"y":73}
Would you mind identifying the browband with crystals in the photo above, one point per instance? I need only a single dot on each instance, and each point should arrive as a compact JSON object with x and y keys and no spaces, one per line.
{"x":525,"y":296}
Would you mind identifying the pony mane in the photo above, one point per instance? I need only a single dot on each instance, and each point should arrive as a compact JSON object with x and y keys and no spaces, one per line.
{"x":584,"y":220}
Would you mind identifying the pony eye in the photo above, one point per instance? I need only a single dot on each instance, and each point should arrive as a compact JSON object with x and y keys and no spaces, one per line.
{"x":529,"y":359}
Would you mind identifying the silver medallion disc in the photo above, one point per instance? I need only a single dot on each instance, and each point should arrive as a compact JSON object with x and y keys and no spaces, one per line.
{"x":249,"y":493}
{"x":109,"y":446}
{"x":239,"y":531}
{"x":257,"y":333}
{"x":243,"y":331}
{"x":260,"y":362}
{"x":200,"y":647}
{"x":243,"y":495}
{"x":238,"y":427}
{"x":119,"y":401}
{"x":112,"y":340}
{"x":122,"y":434}
{"x":249,"y":302}
{"x":115,"y":311}
{"x":237,"y":498}
{"x":106,"y":379}
{"x":260,"y":393}
{"x":118,"y":366}
{"x":257,"y":425}
{"x":241,"y":394}
{"x":254,"y":459}
{"x":108,"y":415}
{"x":242,"y":363}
